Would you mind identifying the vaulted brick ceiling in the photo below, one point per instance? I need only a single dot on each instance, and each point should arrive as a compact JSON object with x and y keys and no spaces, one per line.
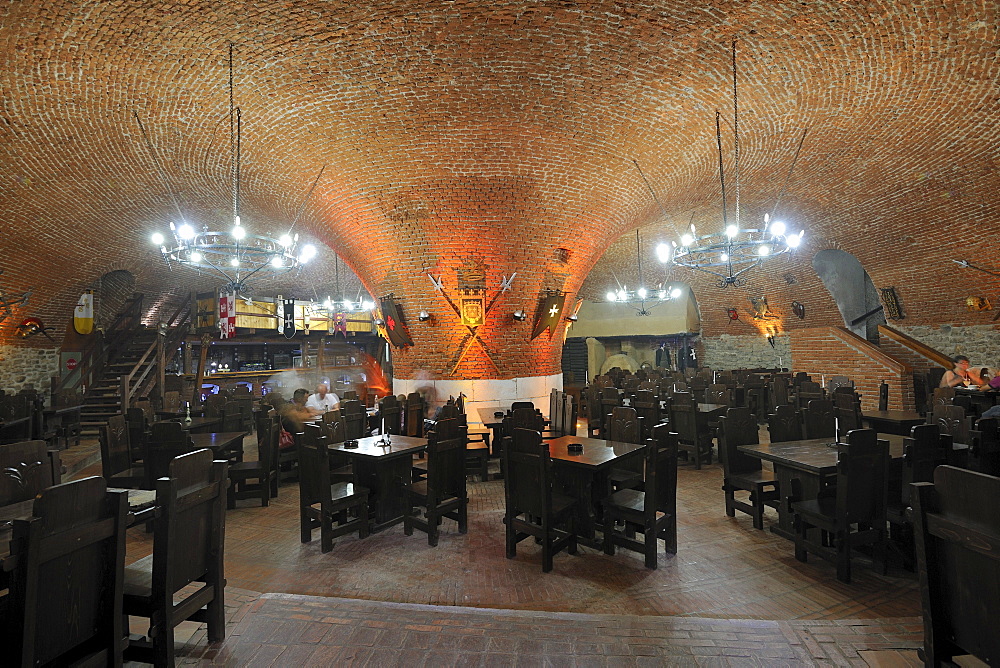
{"x":503,"y":131}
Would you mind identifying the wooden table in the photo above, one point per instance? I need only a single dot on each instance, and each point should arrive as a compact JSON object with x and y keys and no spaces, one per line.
{"x":584,"y":476}
{"x":892,"y":422}
{"x":385,"y":472}
{"x":199,"y":425}
{"x":141,"y":509}
{"x":220,"y":442}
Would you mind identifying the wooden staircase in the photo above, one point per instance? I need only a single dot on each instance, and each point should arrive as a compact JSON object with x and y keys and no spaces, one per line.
{"x":103,"y":399}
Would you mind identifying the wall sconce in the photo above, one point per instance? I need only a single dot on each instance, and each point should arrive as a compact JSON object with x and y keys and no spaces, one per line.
{"x":423,"y":316}
{"x":573,"y":317}
{"x":379,"y":322}
{"x":520,"y":315}
{"x":770,"y":339}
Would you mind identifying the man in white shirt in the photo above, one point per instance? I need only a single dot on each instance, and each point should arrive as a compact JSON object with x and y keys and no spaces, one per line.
{"x":324,"y":400}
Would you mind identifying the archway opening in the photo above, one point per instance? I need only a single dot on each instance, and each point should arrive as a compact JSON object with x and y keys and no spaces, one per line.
{"x":852,"y":288}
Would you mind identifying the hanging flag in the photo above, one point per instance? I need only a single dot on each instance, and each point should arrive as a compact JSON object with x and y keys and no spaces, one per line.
{"x":549,"y":312}
{"x":227,"y":315}
{"x":287,"y":319}
{"x":395,"y":326}
{"x":83,"y":314}
{"x":339,"y":323}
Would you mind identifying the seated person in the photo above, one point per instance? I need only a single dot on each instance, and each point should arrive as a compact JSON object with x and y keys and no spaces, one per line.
{"x":324,"y":400}
{"x":961,"y":375}
{"x":294,"y":412}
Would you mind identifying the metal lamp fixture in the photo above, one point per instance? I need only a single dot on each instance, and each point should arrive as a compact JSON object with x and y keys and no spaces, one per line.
{"x":236,"y":255}
{"x":736,"y":249}
{"x":641,"y":295}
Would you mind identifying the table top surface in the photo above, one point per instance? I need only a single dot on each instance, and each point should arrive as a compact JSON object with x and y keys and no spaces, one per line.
{"x":197,"y":422}
{"x":893,"y":416}
{"x":371,"y":446}
{"x":816,"y":455}
{"x":216,"y":440}
{"x":597,"y":453}
{"x":711,"y":408}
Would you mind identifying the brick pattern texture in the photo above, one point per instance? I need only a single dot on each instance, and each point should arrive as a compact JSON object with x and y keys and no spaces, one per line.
{"x":502,"y":133}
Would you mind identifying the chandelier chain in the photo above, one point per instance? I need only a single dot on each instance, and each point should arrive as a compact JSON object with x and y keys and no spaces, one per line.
{"x":736,"y":137}
{"x":159,"y":167}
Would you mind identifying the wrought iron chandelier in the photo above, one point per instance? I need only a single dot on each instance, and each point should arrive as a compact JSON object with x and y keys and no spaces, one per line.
{"x":236,"y":256}
{"x":735,"y":250}
{"x":637,"y":298}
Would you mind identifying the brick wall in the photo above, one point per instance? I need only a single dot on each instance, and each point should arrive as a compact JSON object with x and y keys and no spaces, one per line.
{"x":834,"y":351}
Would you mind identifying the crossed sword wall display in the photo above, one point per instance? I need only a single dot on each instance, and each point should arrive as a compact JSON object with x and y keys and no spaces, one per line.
{"x":472,"y":336}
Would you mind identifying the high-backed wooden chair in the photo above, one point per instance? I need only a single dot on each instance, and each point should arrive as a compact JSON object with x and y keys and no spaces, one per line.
{"x":595,"y":419}
{"x":818,"y":419}
{"x":693,"y":437}
{"x":171,"y":402}
{"x":784,"y":424}
{"x":25,"y":470}
{"x":413,"y":415}
{"x":355,"y":418}
{"x":257,"y":479}
{"x":852,"y":514}
{"x":116,"y":460}
{"x":214,"y":405}
{"x":65,"y":601}
{"x":922,"y":453}
{"x":883,"y":396}
{"x":625,"y":426}
{"x":847,"y":411}
{"x":742,"y":472}
{"x":138,"y":432}
{"x":187,"y":550}
{"x":443,"y":493}
{"x":952,"y":420}
{"x":718,"y":393}
{"x":167,"y":440}
{"x":653,"y":512}
{"x":323,"y":502}
{"x":610,"y":398}
{"x":532,"y":507}
{"x":987,"y":449}
{"x":779,"y":392}
{"x":391,"y":415}
{"x":957,"y":537}
{"x":808,"y":391}
{"x":647,"y":406}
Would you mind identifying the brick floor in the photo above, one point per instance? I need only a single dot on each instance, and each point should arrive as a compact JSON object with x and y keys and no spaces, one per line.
{"x":731,"y":596}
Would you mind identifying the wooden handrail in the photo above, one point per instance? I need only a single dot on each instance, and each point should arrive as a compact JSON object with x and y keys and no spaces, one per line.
{"x":141,"y":385}
{"x":917,"y":347}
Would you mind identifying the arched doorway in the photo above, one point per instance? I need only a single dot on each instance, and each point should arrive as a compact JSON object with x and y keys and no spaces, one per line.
{"x":852,"y":288}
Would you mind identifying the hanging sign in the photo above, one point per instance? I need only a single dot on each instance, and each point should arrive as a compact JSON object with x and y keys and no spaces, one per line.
{"x":287,"y":320}
{"x":549,"y":312}
{"x":83,"y":314}
{"x":472,"y":304}
{"x":227,"y":315}
{"x":395,"y":326}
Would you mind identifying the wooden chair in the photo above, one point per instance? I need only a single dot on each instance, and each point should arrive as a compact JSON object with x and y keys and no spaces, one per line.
{"x":413,"y":415}
{"x":391,"y":415}
{"x":522,"y":404}
{"x":883,"y":396}
{"x":65,"y":601}
{"x":167,"y":440}
{"x":532,"y":507}
{"x":922,"y":453}
{"x":784,"y":424}
{"x":259,"y":479}
{"x":957,"y":535}
{"x":742,"y":472}
{"x":837,"y":382}
{"x":25,"y":470}
{"x":818,"y":420}
{"x":214,"y":405}
{"x":321,"y":501}
{"x":355,"y":418}
{"x":647,"y":407}
{"x":171,"y":402}
{"x":443,"y":493}
{"x":779,"y":392}
{"x":625,"y":426}
{"x":808,"y":391}
{"x":116,"y":460}
{"x":847,"y":413}
{"x":718,"y":394}
{"x":852,"y":514}
{"x":138,"y":432}
{"x":693,"y":437}
{"x":187,"y":550}
{"x":987,"y":450}
{"x":232,"y":416}
{"x":477,"y":440}
{"x":952,"y":420}
{"x":653,"y":511}
{"x":351,"y":395}
{"x":595,"y":419}
{"x":610,"y":398}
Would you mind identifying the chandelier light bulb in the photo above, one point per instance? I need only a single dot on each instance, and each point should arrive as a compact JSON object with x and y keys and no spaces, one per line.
{"x":277,"y":262}
{"x":195,"y":257}
{"x":663,"y":253}
{"x":367,"y":305}
{"x":687,"y":240}
{"x":794,"y":240}
{"x":675,"y":293}
{"x":662,"y":294}
{"x":641,"y":292}
{"x":732,"y":231}
{"x":157,"y":239}
{"x":286,"y":240}
{"x":763,"y":251}
{"x":185,"y":232}
{"x":724,"y":257}
{"x":622,"y":295}
{"x":777,"y":229}
{"x":612,"y":296}
{"x":235,"y":262}
{"x":239,"y":232}
{"x":348,"y":307}
{"x":308,"y":253}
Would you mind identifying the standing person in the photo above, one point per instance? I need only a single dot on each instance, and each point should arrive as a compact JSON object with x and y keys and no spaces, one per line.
{"x":324,"y":400}
{"x":961,"y":375}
